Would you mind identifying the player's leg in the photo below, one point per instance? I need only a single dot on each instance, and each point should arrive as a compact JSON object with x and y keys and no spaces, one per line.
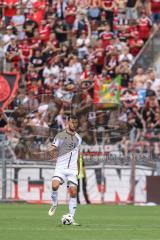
{"x":72,"y":182}
{"x":56,"y":182}
{"x":54,"y":196}
{"x":73,"y":199}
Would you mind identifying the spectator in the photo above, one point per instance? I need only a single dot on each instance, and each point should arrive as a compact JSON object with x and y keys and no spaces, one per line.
{"x":7,"y":36}
{"x":121,"y":7}
{"x":132,"y":9}
{"x":59,"y":52}
{"x":60,"y":9}
{"x":37,"y":60}
{"x":29,"y":27}
{"x":9,"y":10}
{"x":124,"y":70}
{"x":17,"y":21}
{"x":12,"y":55}
{"x":144,"y":26}
{"x":106,"y":36}
{"x":154,"y":10}
{"x":139,"y":79}
{"x":108,"y":6}
{"x":135,"y":43}
{"x":61,"y":31}
{"x":70,"y":14}
{"x":25,"y":53}
{"x":44,"y":31}
{"x":155,"y":81}
{"x":94,"y":9}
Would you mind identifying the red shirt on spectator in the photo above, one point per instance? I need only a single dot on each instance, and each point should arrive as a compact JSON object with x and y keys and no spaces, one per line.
{"x":70,"y":18}
{"x":106,"y":37}
{"x":55,"y":43}
{"x":36,"y":15}
{"x":123,"y":35}
{"x":132,"y":29}
{"x":100,"y":54}
{"x":35,"y":42}
{"x":10,"y":7}
{"x":44,"y":31}
{"x":32,"y":87}
{"x":144,"y":27}
{"x":40,"y":6}
{"x":25,"y":50}
{"x":135,"y":43}
{"x":155,"y":6}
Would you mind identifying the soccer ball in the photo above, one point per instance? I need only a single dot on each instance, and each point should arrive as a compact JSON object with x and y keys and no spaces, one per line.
{"x":67,"y":219}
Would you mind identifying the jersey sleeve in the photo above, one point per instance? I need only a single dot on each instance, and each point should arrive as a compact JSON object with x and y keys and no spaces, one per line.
{"x":56,"y":142}
{"x":79,"y":140}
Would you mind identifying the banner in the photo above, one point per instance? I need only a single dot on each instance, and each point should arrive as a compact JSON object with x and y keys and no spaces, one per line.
{"x":107,"y":94}
{"x":33,"y":184}
{"x":8,"y":88}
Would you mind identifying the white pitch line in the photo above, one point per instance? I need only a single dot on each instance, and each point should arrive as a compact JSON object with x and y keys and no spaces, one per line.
{"x":78,"y":228}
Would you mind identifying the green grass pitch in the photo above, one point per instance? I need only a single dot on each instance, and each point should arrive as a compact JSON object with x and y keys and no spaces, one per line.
{"x":99,"y":222}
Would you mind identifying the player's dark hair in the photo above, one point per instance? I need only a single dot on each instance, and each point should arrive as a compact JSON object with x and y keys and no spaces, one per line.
{"x":72,"y":117}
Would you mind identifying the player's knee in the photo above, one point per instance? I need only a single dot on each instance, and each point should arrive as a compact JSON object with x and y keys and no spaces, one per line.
{"x":73,"y":192}
{"x":55,"y":185}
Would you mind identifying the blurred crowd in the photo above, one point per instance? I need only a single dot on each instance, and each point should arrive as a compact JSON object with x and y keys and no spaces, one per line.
{"x":61,"y":48}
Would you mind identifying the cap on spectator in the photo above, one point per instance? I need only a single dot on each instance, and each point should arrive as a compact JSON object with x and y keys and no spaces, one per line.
{"x":9,"y":27}
{"x":37,"y":5}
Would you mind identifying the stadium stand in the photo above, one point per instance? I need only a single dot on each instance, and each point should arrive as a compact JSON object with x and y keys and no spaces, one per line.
{"x":65,"y":51}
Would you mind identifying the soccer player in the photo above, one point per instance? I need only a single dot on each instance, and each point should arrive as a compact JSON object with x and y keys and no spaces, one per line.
{"x":65,"y":148}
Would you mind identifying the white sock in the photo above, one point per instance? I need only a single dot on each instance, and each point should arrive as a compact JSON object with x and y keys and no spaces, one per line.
{"x":72,"y":206}
{"x":54,"y":196}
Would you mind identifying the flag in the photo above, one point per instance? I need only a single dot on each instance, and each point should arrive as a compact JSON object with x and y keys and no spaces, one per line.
{"x":108,"y":94}
{"x":8,"y":87}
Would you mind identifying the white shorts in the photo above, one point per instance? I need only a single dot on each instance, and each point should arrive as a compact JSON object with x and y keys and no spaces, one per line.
{"x":66,"y":174}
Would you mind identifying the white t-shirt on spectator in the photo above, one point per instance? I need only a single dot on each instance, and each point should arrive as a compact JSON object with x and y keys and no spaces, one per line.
{"x":73,"y":71}
{"x":82,"y":51}
{"x":35,"y":121}
{"x":18,"y":20}
{"x":128,"y":57}
{"x":156,"y":84}
{"x":46,"y":71}
{"x":43,"y":108}
{"x":55,"y":70}
{"x":6,"y":39}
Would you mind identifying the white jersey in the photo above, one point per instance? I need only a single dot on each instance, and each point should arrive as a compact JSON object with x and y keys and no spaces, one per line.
{"x":68,"y":148}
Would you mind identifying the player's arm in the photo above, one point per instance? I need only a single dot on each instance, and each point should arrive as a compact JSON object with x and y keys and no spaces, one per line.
{"x":50,"y":153}
{"x":53,"y":152}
